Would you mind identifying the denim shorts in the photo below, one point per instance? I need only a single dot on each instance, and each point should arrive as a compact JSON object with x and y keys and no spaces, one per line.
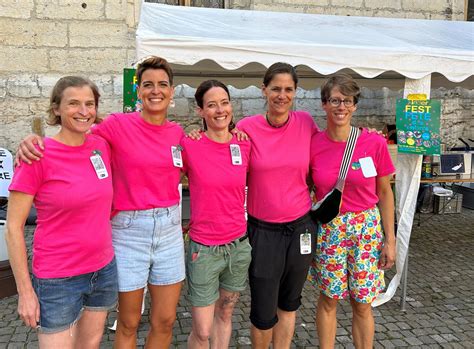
{"x":63,"y":299}
{"x":209,"y":268}
{"x":149,"y":247}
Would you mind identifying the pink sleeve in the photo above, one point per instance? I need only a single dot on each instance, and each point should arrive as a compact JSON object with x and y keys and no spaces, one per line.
{"x":28,"y":178}
{"x":384,"y":161}
{"x":105,"y":128}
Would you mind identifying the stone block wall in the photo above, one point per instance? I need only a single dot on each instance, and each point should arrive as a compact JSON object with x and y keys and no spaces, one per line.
{"x":416,"y":9}
{"x":42,"y":40}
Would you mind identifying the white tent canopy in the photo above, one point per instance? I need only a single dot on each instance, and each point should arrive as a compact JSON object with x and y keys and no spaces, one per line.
{"x":249,"y":41}
{"x":415,"y":54}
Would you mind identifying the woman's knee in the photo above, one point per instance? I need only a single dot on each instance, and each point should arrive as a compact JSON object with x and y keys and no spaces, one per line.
{"x":361,"y":309}
{"x":327,"y":304}
{"x":163,"y":322}
{"x":128,"y":323}
{"x":202,"y":333}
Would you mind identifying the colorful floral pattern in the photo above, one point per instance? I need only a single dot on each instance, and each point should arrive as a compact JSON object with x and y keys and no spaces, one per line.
{"x":347,"y":254}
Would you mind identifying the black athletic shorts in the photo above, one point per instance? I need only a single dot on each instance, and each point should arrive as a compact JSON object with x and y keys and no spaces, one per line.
{"x":278,"y":269}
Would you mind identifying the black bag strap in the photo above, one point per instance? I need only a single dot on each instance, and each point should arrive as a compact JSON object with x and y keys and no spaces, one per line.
{"x":346,"y":158}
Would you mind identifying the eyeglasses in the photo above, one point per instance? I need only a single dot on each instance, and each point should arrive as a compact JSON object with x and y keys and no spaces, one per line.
{"x":336,"y":102}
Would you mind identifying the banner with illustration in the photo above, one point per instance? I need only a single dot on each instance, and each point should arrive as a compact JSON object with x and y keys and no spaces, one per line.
{"x":130,"y":100}
{"x":418,"y":126}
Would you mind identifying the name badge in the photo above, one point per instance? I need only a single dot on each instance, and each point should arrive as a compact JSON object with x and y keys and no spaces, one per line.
{"x":176,"y":154}
{"x":305,"y":243}
{"x":99,"y":166}
{"x":368,"y":167}
{"x":236,"y":155}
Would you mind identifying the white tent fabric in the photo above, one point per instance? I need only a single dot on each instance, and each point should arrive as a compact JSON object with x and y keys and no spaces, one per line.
{"x":326,"y":44}
{"x":413,"y":49}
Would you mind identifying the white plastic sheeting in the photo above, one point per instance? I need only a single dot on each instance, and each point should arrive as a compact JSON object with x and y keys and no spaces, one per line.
{"x":326,"y":44}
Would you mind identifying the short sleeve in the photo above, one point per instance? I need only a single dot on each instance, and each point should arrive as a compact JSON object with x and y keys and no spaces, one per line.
{"x":28,"y":178}
{"x":384,"y":161}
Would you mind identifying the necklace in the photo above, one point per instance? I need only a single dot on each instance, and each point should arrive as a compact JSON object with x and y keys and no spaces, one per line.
{"x":276,"y":126}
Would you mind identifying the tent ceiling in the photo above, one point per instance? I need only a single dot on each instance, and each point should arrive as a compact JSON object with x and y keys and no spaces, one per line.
{"x":236,"y":46}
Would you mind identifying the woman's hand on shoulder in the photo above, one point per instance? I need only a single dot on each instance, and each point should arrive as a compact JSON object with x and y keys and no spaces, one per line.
{"x":241,"y":135}
{"x":27,"y":150}
{"x":195,"y":134}
{"x":374,"y":130}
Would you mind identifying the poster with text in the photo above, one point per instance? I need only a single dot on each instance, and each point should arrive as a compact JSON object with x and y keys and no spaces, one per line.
{"x":418,"y":126}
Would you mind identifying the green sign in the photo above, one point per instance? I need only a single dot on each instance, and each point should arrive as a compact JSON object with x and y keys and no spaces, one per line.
{"x":130,"y":91}
{"x":418,"y":126}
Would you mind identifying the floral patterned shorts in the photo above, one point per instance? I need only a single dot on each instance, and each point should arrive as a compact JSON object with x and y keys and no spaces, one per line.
{"x":347,"y":254}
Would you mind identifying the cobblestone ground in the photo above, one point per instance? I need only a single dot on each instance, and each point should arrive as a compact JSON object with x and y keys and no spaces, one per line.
{"x":439,"y":312}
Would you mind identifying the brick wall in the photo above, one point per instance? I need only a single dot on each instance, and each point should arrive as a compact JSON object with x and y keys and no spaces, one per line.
{"x":42,"y":40}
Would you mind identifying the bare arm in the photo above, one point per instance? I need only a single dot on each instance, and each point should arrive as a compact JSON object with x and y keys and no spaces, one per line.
{"x":387,"y":207}
{"x":27,"y":151}
{"x":19,"y":205}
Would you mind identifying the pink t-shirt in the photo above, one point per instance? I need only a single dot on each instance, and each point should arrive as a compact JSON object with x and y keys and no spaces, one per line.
{"x":216,"y":188}
{"x":73,"y":234}
{"x":359,"y":193}
{"x":279,"y":166}
{"x":144,"y":174}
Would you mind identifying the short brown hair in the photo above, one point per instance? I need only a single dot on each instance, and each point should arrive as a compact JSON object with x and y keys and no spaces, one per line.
{"x":279,"y":68}
{"x":154,"y":62}
{"x":344,"y":83}
{"x":57,"y":95}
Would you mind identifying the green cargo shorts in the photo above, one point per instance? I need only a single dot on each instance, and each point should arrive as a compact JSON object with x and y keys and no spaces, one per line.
{"x":210,"y":268}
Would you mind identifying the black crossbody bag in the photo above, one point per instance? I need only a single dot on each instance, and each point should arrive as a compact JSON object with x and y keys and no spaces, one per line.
{"x":326,"y":209}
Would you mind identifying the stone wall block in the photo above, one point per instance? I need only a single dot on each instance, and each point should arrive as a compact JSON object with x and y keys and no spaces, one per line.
{"x":344,"y":3}
{"x":110,"y":105}
{"x":425,"y":6}
{"x":25,"y":86}
{"x":16,"y":8}
{"x":104,"y":83}
{"x":93,"y":34}
{"x":187,"y":91}
{"x":115,"y":9}
{"x":237,"y":109}
{"x":253,"y":106}
{"x":181,"y":108}
{"x":241,"y":4}
{"x":377,"y":4}
{"x":38,"y":107}
{"x":307,"y":104}
{"x":118,"y":85}
{"x":13,"y":107}
{"x":87,"y":61}
{"x":3,"y":87}
{"x":19,"y":59}
{"x":17,"y":32}
{"x":62,"y":9}
{"x":47,"y":82}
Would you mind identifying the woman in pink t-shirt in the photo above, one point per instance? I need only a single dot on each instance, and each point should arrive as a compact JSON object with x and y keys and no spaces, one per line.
{"x":219,"y":252}
{"x":146,"y":225}
{"x":74,"y":270}
{"x":280,"y":230}
{"x":354,"y":248}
